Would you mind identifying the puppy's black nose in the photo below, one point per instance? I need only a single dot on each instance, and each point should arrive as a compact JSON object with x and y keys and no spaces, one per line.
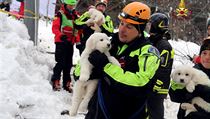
{"x":108,"y":45}
{"x":182,"y":80}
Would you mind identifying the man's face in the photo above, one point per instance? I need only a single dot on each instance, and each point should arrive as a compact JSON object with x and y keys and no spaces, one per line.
{"x":101,"y":7}
{"x":127,"y":32}
{"x":205,"y":59}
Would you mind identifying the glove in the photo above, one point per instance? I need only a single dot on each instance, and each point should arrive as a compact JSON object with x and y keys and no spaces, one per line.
{"x":96,"y":74}
{"x":64,"y":39}
{"x":98,"y":59}
{"x":96,"y":28}
{"x":79,"y":46}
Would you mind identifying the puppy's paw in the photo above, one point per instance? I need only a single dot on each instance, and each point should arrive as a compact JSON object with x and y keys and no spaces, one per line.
{"x":84,"y":78}
{"x":89,"y":22}
{"x":114,"y":60}
{"x":186,"y":106}
{"x":72,"y":113}
{"x":190,"y":87}
{"x":83,"y":111}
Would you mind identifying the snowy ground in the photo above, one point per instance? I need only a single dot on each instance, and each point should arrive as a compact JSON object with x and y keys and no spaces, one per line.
{"x":25,"y":91}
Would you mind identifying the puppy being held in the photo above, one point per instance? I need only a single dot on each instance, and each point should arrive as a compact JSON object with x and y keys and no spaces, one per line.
{"x":96,"y":19}
{"x":190,"y":77}
{"x":85,"y":87}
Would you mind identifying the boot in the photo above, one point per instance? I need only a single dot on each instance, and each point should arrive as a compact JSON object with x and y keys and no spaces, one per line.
{"x":67,"y":86}
{"x":56,"y":85}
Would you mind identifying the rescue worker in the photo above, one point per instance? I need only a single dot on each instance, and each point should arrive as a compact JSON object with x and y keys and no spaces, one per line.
{"x":180,"y":95}
{"x":65,"y":37}
{"x":122,"y":91}
{"x":106,"y":27}
{"x":159,"y":36}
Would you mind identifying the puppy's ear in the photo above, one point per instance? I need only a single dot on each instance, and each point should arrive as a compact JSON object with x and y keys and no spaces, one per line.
{"x":172,"y":74}
{"x":195,"y":75}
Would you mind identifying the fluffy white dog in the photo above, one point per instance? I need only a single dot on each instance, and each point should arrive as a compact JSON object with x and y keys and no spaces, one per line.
{"x":95,"y":17}
{"x":190,"y":77}
{"x":84,"y":88}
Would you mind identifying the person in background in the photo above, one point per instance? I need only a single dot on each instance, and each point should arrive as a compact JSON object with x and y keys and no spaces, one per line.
{"x":122,"y":91}
{"x":159,"y":36}
{"x":180,"y":94}
{"x":196,"y":58}
{"x":65,"y":37}
{"x":5,"y":4}
{"x":106,"y":28}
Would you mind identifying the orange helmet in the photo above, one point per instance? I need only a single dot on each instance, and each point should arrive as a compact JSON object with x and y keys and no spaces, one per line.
{"x":103,"y":2}
{"x":135,"y":13}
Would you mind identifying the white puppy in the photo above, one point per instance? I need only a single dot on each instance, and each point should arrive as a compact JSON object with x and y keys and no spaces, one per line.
{"x":95,"y":17}
{"x":84,"y":88}
{"x":190,"y":77}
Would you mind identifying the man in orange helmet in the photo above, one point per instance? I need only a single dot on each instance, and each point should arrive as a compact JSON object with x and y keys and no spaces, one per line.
{"x":123,"y":90}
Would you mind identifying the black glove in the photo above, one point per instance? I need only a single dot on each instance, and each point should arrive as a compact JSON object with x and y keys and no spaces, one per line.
{"x":98,"y":59}
{"x":79,"y":46}
{"x":64,"y":39}
{"x":96,"y":74}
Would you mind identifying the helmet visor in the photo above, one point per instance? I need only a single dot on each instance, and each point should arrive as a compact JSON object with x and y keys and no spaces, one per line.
{"x":127,"y":16}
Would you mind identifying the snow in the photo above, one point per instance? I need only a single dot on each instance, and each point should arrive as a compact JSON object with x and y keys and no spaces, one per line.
{"x":25,"y":90}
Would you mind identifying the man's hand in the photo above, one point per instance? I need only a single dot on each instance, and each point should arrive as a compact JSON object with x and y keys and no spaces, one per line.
{"x":98,"y":59}
{"x":64,"y":38}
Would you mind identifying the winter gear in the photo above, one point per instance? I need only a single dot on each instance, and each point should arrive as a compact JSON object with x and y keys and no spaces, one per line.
{"x":56,"y":85}
{"x":205,"y":46}
{"x":200,"y":91}
{"x":67,"y":86}
{"x":135,"y":13}
{"x":162,"y":75}
{"x":159,"y":23}
{"x":63,"y":57}
{"x":98,"y":59}
{"x":200,"y":67}
{"x":155,"y":106}
{"x":106,"y":28}
{"x":101,"y":2}
{"x":64,"y":38}
{"x":70,"y":2}
{"x":63,"y":24}
{"x":122,"y":87}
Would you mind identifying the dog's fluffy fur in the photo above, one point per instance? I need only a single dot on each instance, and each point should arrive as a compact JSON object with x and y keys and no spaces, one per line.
{"x":84,"y":88}
{"x":190,"y":77}
{"x":95,"y":17}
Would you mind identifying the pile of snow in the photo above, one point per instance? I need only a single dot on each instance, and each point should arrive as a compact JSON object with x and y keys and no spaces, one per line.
{"x":25,"y":91}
